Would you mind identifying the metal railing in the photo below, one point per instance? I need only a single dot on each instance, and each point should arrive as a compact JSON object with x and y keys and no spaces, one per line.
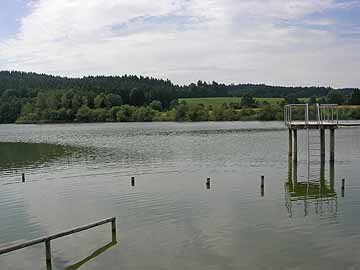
{"x":48,"y":239}
{"x":329,"y":113}
{"x":296,"y":112}
{"x":307,"y":114}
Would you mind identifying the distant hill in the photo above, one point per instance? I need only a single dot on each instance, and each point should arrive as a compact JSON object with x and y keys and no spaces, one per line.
{"x":29,"y":84}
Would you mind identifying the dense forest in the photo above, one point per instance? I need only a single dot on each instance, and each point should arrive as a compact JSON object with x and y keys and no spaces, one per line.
{"x":36,"y":98}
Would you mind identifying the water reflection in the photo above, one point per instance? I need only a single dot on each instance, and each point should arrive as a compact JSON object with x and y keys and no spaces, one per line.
{"x":92,"y":256}
{"x":317,"y":194}
{"x":20,"y":155}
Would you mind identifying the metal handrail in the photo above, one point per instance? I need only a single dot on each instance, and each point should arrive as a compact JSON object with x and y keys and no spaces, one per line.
{"x":47,"y":239}
{"x":325,"y":114}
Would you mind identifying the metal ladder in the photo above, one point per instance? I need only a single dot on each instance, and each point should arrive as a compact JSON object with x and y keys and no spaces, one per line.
{"x":314,"y":147}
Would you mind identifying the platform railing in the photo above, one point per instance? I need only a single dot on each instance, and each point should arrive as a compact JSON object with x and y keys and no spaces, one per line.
{"x":329,"y":113}
{"x":47,"y":240}
{"x":308,"y":114}
{"x":296,"y":112}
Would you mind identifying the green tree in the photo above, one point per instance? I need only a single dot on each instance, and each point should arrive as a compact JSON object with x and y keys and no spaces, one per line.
{"x":292,"y":99}
{"x":77,"y":102}
{"x":156,"y":105}
{"x":180,"y":112}
{"x":99,"y":101}
{"x":197,"y":113}
{"x":335,"y":97}
{"x":312,"y":100}
{"x":355,"y":97}
{"x":113,"y":100}
{"x":137,"y":97}
{"x":27,"y":108}
{"x":41,"y":101}
{"x":83,"y":114}
{"x":126,"y":113}
{"x":53,"y":101}
{"x":247,"y":101}
{"x":144,"y":114}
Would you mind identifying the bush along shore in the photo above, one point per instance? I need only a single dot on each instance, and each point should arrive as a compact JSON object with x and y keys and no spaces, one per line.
{"x":153,"y":113}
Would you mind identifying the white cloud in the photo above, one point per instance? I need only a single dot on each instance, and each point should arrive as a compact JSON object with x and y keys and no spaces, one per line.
{"x":185,"y":40}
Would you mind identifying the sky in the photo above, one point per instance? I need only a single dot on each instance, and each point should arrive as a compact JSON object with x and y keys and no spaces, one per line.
{"x":277,"y":42}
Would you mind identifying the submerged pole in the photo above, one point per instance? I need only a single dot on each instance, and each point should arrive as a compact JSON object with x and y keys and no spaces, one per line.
{"x":208,"y":183}
{"x":262,"y":185}
{"x":48,"y":255}
{"x":23,"y":177}
{"x":322,"y":145}
{"x":113,"y":230}
{"x":332,"y":144}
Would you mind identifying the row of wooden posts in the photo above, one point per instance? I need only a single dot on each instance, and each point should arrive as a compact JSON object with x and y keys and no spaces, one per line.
{"x":208,"y":182}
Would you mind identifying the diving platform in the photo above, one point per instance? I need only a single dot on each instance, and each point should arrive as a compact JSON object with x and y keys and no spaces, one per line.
{"x":315,"y":119}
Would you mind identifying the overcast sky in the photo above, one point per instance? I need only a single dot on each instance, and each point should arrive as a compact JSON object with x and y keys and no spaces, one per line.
{"x":281,"y":42}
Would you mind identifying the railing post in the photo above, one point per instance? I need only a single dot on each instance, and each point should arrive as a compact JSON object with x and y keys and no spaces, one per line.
{"x":113,"y":230}
{"x":290,"y":115}
{"x":290,"y":143}
{"x":307,"y":114}
{"x":48,"y":255}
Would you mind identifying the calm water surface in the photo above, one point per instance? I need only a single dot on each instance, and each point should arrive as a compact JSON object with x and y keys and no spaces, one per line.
{"x":78,"y":174}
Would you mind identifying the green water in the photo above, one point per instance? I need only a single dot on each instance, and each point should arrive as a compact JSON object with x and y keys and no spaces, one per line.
{"x":170,"y":219}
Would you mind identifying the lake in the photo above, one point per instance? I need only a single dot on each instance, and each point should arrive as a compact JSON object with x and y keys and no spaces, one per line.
{"x":170,"y":219}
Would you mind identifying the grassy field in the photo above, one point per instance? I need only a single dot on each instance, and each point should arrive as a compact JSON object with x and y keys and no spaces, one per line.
{"x":218,"y":101}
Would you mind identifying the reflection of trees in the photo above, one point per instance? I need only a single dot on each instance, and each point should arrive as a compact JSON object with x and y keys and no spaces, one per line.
{"x":18,"y":155}
{"x":318,"y":195}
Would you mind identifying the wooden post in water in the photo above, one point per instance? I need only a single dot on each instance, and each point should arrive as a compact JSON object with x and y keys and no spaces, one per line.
{"x":295,"y":144}
{"x":48,"y":255}
{"x":262,"y":185}
{"x":23,"y":177}
{"x":332,"y":144}
{"x":208,"y":183}
{"x":290,"y":143}
{"x":332,"y":175}
{"x":322,"y":145}
{"x":113,"y":230}
{"x":132,"y":181}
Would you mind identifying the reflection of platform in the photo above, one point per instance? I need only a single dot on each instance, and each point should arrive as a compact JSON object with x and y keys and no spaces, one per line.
{"x":319,"y":195}
{"x":309,"y":190}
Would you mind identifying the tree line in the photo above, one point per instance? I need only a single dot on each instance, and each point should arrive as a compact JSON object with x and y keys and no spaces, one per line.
{"x":31,"y":97}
